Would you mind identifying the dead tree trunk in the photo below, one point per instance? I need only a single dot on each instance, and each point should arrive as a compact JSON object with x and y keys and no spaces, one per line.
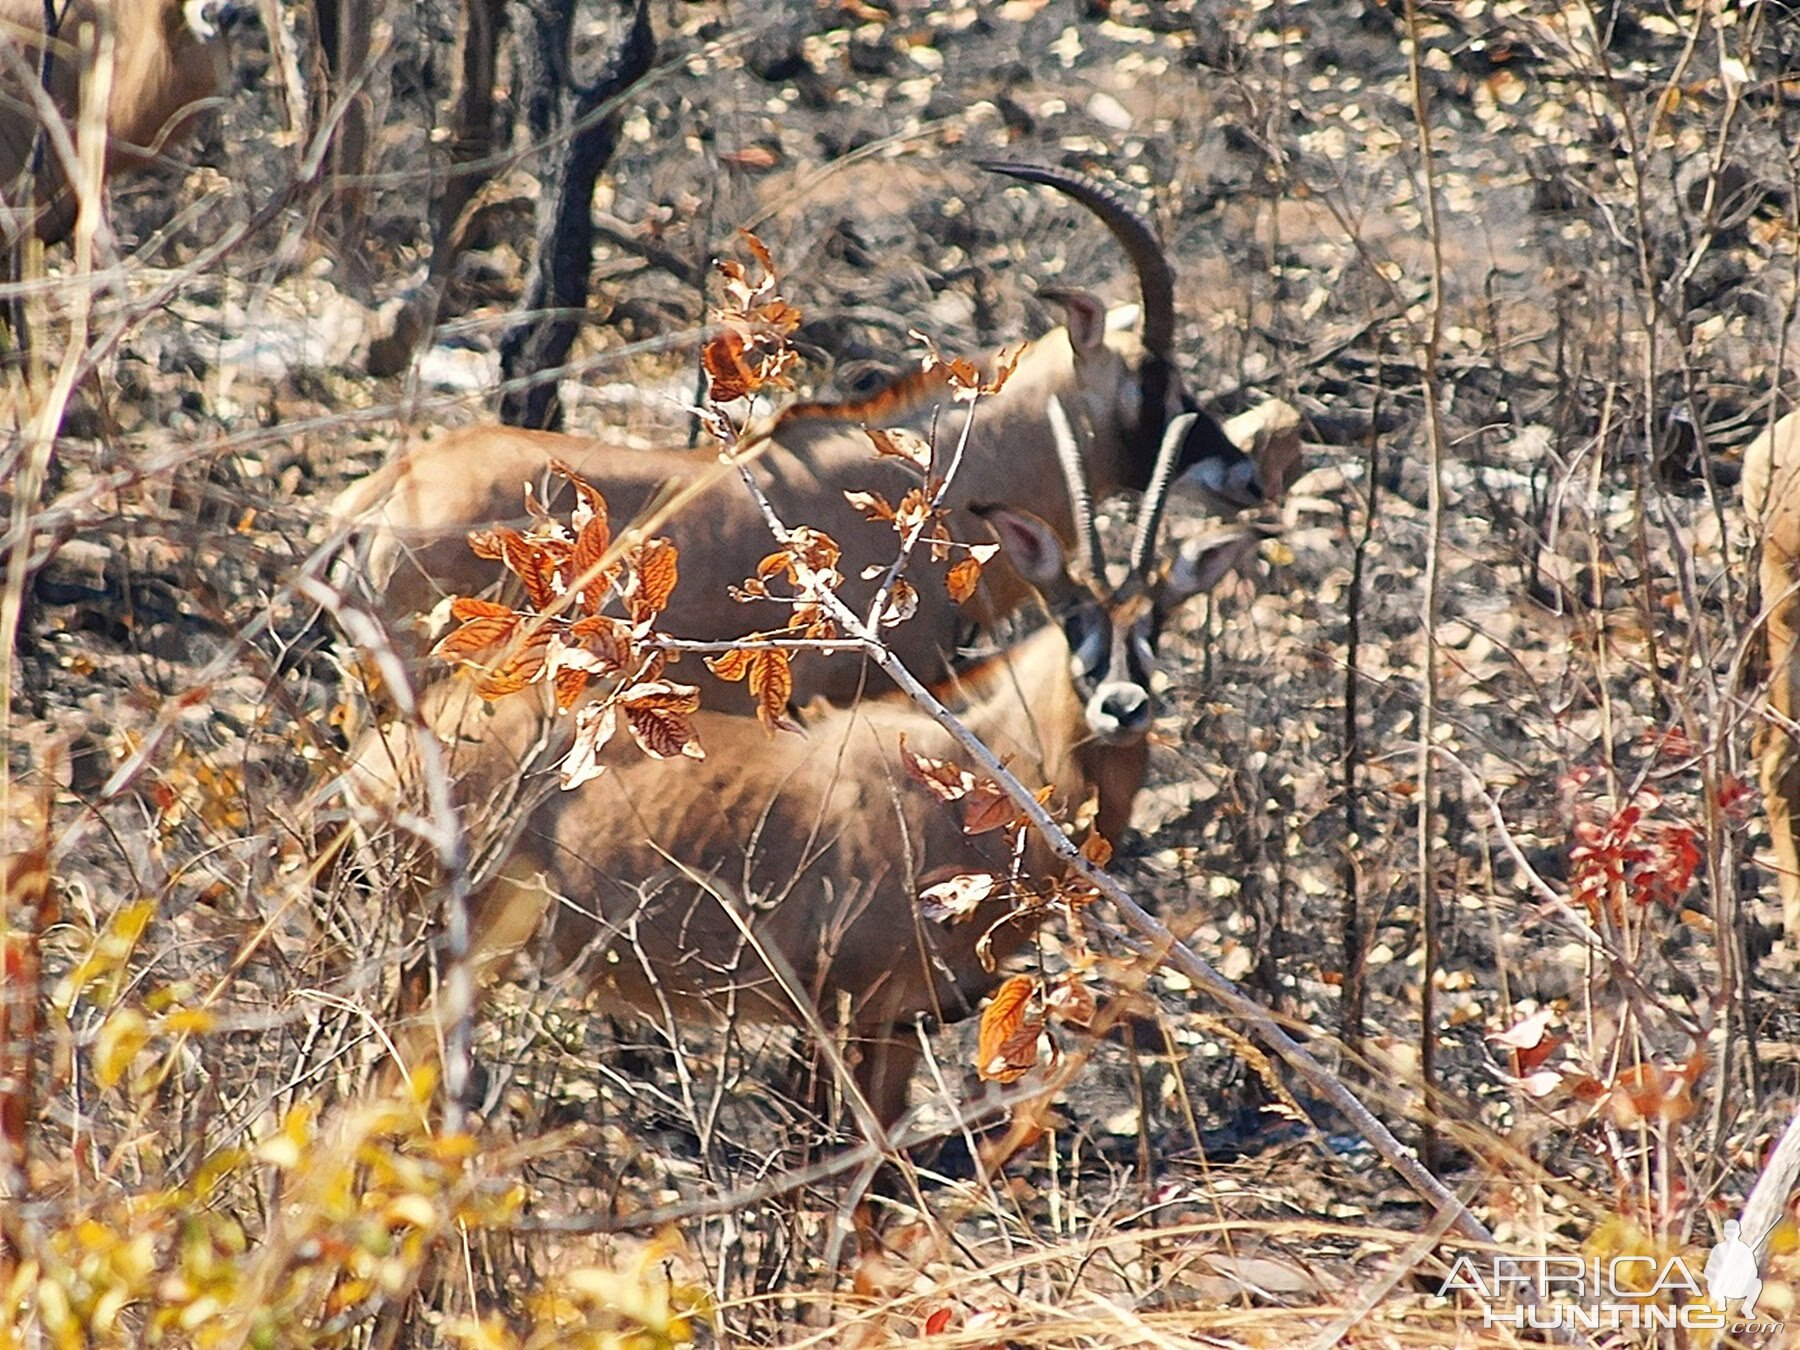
{"x":345,"y":33}
{"x":473,"y":142}
{"x":555,"y":107}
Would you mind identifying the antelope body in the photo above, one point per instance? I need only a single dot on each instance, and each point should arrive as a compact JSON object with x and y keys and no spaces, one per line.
{"x":416,"y":512}
{"x":1771,"y":488}
{"x":776,"y":880}
{"x":169,"y":59}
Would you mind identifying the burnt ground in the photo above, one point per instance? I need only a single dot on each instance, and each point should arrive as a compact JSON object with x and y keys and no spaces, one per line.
{"x":1610,"y":274}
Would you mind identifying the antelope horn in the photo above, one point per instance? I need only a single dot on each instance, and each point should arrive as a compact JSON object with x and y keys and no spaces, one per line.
{"x":1156,"y":495}
{"x":1081,"y":502}
{"x":1156,"y":278}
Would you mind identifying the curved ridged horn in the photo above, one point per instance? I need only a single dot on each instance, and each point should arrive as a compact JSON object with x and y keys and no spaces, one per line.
{"x":1150,"y":509}
{"x":1081,"y":501}
{"x":1156,"y":278}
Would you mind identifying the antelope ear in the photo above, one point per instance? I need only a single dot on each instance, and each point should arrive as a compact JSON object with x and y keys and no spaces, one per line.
{"x":1031,"y":545}
{"x":1207,"y":559}
{"x":1084,"y":314}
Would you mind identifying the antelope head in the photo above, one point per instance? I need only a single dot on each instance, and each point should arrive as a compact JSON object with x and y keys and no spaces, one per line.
{"x":1113,"y":627}
{"x":1148,"y":396}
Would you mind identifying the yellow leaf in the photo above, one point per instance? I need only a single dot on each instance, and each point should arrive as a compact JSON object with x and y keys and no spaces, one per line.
{"x":190,"y":1021}
{"x":122,"y":1036}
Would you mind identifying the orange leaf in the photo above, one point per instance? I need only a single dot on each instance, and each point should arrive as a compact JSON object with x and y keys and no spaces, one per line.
{"x":772,"y":685}
{"x":1097,"y":849}
{"x":654,"y":574}
{"x":476,"y":635}
{"x":602,"y":640}
{"x":569,"y":683}
{"x":1002,"y":1021}
{"x":516,"y":671}
{"x":730,"y":666}
{"x":729,"y":375}
{"x":465,"y":607}
{"x":963,"y":578}
{"x":590,"y":547}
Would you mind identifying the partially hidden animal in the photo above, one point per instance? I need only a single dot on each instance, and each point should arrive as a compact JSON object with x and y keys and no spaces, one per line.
{"x":1771,"y":492}
{"x":778,"y":879}
{"x":170,"y":59}
{"x":409,"y":520}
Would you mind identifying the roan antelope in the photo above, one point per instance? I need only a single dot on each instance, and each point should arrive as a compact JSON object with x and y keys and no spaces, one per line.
{"x":413,"y":515}
{"x":168,"y":60}
{"x":777,"y":879}
{"x":1771,"y":488}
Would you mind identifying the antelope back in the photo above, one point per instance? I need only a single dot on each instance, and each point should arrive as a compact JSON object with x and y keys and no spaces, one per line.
{"x":1119,"y":388}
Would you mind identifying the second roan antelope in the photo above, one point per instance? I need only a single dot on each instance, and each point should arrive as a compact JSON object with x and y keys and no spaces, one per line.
{"x":777,"y":880}
{"x":1771,"y":488}
{"x":411,"y":518}
{"x":169,"y":60}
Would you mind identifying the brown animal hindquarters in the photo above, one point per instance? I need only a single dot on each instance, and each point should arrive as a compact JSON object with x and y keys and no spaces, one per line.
{"x":168,"y":62}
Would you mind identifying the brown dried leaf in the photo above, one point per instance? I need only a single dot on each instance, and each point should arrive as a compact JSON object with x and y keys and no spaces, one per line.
{"x":772,"y":685}
{"x":730,"y":375}
{"x":513,"y":674}
{"x":957,"y":897}
{"x":912,"y":513}
{"x":901,"y":443}
{"x":759,"y":251}
{"x":903,"y":603}
{"x":818,"y":550}
{"x":476,"y":635}
{"x":656,"y":711}
{"x":944,"y":780}
{"x":987,"y":808}
{"x":730,"y":666}
{"x":1097,"y":849}
{"x":597,"y":643}
{"x":1003,"y":1021}
{"x":465,"y":607}
{"x":654,"y":573}
{"x":487,"y":544}
{"x":594,"y":727}
{"x":872,"y":505}
{"x":662,"y":696}
{"x":1071,"y":1000}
